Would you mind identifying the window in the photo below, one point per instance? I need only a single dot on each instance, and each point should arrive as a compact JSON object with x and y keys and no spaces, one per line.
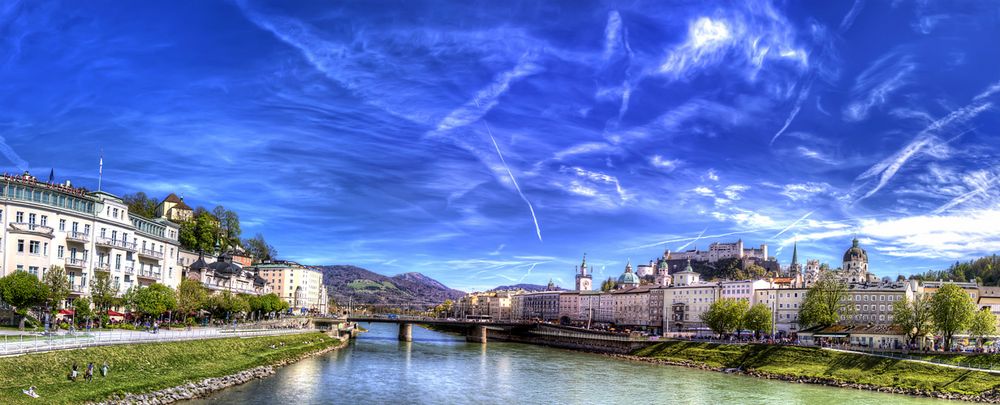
{"x":118,"y":261}
{"x":45,"y":249}
{"x":76,"y":226}
{"x":86,"y":229}
{"x":114,"y":235}
{"x":20,"y":267}
{"x":20,"y":246}
{"x":62,"y":225}
{"x":114,"y":212}
{"x":118,"y":280}
{"x":59,"y":251}
{"x":31,"y":219}
{"x":33,"y":270}
{"x":104,"y":232}
{"x":45,"y":220}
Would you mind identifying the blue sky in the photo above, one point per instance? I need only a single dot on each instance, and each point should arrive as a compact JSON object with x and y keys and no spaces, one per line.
{"x":487,"y":143}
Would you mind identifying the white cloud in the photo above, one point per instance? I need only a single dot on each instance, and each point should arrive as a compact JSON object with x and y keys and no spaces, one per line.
{"x":664,"y":164}
{"x":814,"y":154}
{"x":733,"y":192}
{"x":804,"y":191}
{"x":703,"y":191}
{"x":712,"y":175}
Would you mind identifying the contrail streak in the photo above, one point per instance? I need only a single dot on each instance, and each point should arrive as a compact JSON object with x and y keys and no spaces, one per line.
{"x":693,"y":240}
{"x":982,"y":189}
{"x":489,"y":131}
{"x":793,"y":224}
{"x":527,"y":273}
{"x":803,"y":93}
{"x":8,"y":152}
{"x":660,"y":243}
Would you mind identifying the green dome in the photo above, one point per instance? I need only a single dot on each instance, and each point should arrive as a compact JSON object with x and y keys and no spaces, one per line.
{"x":628,"y":278}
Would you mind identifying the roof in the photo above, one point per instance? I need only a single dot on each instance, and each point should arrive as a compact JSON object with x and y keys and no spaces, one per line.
{"x":173,"y":198}
{"x":989,"y":300}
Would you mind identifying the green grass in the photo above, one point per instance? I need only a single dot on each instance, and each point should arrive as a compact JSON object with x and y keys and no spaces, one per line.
{"x":813,"y":362}
{"x":369,"y":285}
{"x":143,"y":367}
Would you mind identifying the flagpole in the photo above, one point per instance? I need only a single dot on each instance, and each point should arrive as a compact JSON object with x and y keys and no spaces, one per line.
{"x":100,"y":171}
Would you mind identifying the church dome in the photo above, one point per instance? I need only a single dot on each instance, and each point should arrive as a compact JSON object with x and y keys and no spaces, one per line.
{"x":628,"y":278}
{"x":856,"y":253}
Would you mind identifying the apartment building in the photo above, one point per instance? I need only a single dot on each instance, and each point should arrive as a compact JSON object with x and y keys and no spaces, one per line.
{"x":48,"y":224}
{"x":300,"y":286}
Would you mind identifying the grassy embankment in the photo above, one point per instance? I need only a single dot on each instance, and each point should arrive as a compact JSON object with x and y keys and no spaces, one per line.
{"x":798,"y":362}
{"x":144,"y":367}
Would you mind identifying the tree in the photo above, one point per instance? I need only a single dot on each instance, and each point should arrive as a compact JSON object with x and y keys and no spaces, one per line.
{"x":725,"y":315}
{"x":953,"y":310}
{"x":825,"y":302}
{"x":259,"y":249}
{"x":609,"y":284}
{"x":191,"y":296}
{"x":755,"y":272}
{"x":758,"y":319}
{"x":58,"y":286}
{"x":103,"y":291}
{"x":229,"y":227}
{"x":155,"y":300}
{"x":983,"y":324}
{"x":82,"y":310}
{"x":226,"y":305}
{"x":914,"y":317}
{"x":200,"y":233}
{"x":23,"y":291}
{"x":140,"y":204}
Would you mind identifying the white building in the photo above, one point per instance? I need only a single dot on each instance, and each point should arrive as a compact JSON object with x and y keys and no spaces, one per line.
{"x":48,"y":224}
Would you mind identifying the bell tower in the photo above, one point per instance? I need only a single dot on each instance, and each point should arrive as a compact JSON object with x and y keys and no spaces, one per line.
{"x":584,"y":281}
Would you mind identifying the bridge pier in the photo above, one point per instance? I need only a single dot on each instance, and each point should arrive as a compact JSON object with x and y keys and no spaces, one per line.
{"x":405,"y":332}
{"x":477,"y":334}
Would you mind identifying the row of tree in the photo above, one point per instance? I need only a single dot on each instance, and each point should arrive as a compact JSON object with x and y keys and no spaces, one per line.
{"x":949,"y":311}
{"x":206,"y":228}
{"x":25,"y":292}
{"x":727,"y":316}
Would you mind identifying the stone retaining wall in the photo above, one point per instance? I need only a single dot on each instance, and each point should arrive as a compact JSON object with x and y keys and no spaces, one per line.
{"x":992,"y":396}
{"x":203,"y":388}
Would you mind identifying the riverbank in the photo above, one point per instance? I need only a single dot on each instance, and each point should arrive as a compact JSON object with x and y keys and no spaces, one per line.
{"x":825,"y":367}
{"x":164,"y":372}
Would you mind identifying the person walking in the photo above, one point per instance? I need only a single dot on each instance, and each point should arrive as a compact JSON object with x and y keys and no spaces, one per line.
{"x":104,"y":369}
{"x":73,"y":372}
{"x":89,"y":375}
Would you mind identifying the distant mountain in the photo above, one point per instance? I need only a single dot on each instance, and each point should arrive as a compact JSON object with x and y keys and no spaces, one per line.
{"x":351,"y":283}
{"x":525,"y":287}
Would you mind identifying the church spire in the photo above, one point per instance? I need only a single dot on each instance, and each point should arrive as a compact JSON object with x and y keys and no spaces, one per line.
{"x":795,"y":253}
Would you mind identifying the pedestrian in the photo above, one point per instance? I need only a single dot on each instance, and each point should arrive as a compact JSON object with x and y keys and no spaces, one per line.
{"x":104,"y":369}
{"x":72,"y":372}
{"x":89,"y":376}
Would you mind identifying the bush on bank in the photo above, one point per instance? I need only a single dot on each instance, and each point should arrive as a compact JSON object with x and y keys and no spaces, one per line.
{"x":792,"y":361}
{"x":144,"y":367}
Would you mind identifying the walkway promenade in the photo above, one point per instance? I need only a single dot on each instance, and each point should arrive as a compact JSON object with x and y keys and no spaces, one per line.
{"x":17,"y":344}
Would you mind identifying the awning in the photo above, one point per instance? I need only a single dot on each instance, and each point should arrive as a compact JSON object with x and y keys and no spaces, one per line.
{"x":115,"y":313}
{"x":830,"y":335}
{"x":66,"y":312}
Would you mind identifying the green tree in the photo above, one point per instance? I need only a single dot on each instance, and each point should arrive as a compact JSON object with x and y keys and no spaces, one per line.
{"x":200,"y":233}
{"x":229,"y":227}
{"x":191,"y":297}
{"x":755,"y":272}
{"x":825,"y":302}
{"x":82,"y":310}
{"x":914,"y":317}
{"x":103,"y":291}
{"x":983,"y":323}
{"x":58,"y":286}
{"x":259,"y":249}
{"x":609,"y":284}
{"x":226,"y":305}
{"x":758,"y":319}
{"x":953,"y":310}
{"x":141,"y":204}
{"x":155,"y":300}
{"x":23,"y":291}
{"x":725,"y":316}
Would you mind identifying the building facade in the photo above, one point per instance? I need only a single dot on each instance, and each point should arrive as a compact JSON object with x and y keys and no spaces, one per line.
{"x":49,"y":224}
{"x":300,"y":286}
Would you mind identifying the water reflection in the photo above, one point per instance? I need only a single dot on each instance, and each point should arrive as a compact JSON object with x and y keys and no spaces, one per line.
{"x":437,"y":368}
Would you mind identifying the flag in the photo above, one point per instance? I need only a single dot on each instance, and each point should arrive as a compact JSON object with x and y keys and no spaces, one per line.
{"x":52,"y":176}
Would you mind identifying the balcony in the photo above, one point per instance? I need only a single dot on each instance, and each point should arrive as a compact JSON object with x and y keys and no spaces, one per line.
{"x":105,"y":242}
{"x":129,"y":270}
{"x":78,"y":237}
{"x":76,"y":262}
{"x":151,"y":254}
{"x":76,"y":288}
{"x":151,"y":273}
{"x":102,"y":266}
{"x":36,"y":229}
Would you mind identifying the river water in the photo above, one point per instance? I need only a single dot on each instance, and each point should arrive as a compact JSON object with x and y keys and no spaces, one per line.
{"x":438,"y":368}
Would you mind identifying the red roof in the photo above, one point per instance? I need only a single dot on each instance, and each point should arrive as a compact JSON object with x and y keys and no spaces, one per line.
{"x":66,"y":312}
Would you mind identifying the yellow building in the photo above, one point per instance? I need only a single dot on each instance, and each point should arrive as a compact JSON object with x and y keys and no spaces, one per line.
{"x":300,"y":286}
{"x":173,"y":208}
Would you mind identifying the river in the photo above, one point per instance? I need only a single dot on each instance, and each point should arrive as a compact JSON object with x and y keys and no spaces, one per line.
{"x":438,"y":368}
